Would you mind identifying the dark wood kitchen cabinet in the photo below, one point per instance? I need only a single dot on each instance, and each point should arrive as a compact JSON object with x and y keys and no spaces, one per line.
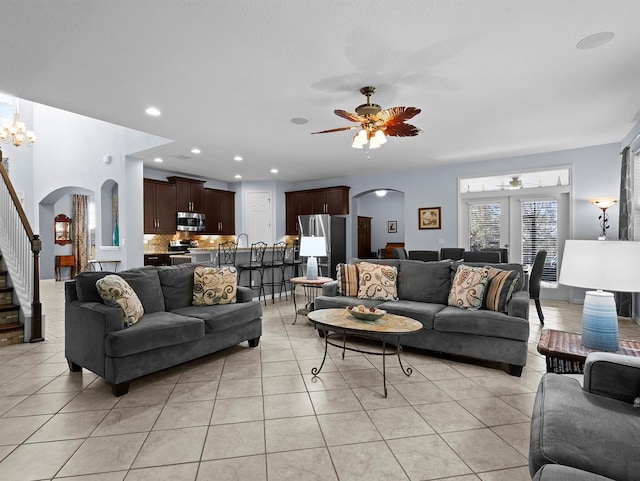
{"x":159,"y":207}
{"x":220,"y":211}
{"x":330,"y":200}
{"x":189,"y":194}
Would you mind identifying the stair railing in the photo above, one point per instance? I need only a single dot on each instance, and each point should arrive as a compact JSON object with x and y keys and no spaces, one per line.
{"x":20,"y":249}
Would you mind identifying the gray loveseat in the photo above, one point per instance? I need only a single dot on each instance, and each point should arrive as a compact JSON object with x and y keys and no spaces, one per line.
{"x":591,"y":432}
{"x":423,"y":289}
{"x":170,"y":332}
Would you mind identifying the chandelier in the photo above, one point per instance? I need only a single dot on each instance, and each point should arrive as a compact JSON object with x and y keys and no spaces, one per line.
{"x":369,"y":133}
{"x":16,"y":133}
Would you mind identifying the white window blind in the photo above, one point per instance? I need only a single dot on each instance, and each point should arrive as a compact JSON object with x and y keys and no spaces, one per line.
{"x":485,"y":221}
{"x":636,"y":196}
{"x":540,"y":232}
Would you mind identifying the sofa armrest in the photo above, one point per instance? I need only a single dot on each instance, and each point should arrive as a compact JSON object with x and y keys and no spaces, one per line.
{"x":612,"y":375}
{"x":519,"y":305}
{"x":86,"y":326}
{"x":330,"y":289}
{"x":243,"y":294}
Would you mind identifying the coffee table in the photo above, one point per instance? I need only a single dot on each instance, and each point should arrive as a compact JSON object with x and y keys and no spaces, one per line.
{"x":311,"y":287}
{"x":337,"y":323}
{"x":565,"y":353}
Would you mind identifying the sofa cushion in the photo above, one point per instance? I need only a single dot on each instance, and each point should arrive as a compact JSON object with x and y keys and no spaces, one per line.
{"x":520,"y":285}
{"x":337,"y":302}
{"x":467,"y":288}
{"x":116,"y":292}
{"x":556,"y":472}
{"x":378,"y":282}
{"x":481,"y":323}
{"x":177,"y":285}
{"x":213,"y":285}
{"x":86,"y":285}
{"x":420,"y":311}
{"x":424,"y":281}
{"x":583,"y":430}
{"x":499,"y":289}
{"x":153,"y":331}
{"x":347,"y":276}
{"x":223,"y":316}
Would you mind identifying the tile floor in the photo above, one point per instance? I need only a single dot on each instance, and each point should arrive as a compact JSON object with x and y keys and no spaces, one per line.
{"x":258,"y":413}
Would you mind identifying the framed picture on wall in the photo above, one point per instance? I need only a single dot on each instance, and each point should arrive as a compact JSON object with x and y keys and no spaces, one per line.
{"x":392,"y":226}
{"x":429,"y":218}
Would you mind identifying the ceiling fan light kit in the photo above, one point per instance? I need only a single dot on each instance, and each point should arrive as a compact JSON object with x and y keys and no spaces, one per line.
{"x":376,"y":124}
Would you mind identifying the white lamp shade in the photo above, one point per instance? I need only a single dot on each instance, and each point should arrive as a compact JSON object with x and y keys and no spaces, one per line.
{"x":313,"y":247}
{"x":600,"y":264}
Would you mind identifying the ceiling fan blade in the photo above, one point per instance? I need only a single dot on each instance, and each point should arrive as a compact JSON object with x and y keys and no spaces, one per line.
{"x":349,"y":116}
{"x":402,"y":130}
{"x":397,"y":115}
{"x":340,"y":129}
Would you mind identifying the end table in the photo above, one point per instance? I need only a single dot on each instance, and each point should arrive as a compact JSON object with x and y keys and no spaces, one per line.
{"x":311,"y":287}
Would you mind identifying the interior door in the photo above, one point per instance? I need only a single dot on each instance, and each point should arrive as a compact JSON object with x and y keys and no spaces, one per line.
{"x":485,"y":224}
{"x":258,"y":217}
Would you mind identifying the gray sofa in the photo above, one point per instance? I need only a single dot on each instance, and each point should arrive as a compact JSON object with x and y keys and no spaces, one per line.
{"x":590,"y":432}
{"x":170,"y":332}
{"x":423,"y":289}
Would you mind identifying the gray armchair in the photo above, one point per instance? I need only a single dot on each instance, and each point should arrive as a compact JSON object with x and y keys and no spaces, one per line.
{"x":594,"y":428}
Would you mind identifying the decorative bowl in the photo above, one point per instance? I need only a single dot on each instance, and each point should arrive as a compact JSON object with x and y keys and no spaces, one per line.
{"x":369,"y":314}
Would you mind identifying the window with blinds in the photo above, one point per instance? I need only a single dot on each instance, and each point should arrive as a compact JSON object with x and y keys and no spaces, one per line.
{"x":636,"y":195}
{"x":485,"y":223}
{"x":540,"y":232}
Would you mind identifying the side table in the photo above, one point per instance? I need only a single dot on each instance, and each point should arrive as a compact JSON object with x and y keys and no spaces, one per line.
{"x":65,"y":261}
{"x":311,"y":287}
{"x":565,"y":353}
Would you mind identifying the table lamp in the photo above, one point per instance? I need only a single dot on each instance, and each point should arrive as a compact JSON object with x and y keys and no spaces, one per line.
{"x":312,"y":247}
{"x":598,"y":264}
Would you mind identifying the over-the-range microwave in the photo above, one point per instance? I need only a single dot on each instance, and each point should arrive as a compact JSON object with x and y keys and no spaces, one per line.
{"x":191,"y":221}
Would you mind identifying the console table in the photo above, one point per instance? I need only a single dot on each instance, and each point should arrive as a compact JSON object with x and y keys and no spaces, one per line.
{"x":65,"y":261}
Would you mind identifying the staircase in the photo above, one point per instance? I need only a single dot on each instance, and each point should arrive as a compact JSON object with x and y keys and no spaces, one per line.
{"x":11,"y":330}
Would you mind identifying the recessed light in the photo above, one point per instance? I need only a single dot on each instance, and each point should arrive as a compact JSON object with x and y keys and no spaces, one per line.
{"x":274,"y":171}
{"x":157,"y":159}
{"x":152,"y":111}
{"x":238,"y":158}
{"x":299,"y":120}
{"x":196,"y":151}
{"x":238,"y":176}
{"x":596,"y":40}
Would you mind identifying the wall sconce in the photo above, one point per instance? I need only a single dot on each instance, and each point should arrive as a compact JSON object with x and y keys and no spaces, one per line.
{"x":603,"y":203}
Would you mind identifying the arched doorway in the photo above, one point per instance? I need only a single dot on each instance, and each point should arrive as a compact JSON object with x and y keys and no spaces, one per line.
{"x":384,"y":215}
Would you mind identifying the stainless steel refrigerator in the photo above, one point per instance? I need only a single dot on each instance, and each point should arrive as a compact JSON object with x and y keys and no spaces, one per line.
{"x":333,"y":229}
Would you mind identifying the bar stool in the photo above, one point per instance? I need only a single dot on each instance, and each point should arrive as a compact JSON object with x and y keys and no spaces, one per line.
{"x":227,"y":253}
{"x":293,"y":264}
{"x":278,"y":251}
{"x":256,"y":258}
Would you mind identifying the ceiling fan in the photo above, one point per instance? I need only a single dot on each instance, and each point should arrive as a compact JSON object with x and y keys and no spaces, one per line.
{"x":375,"y":123}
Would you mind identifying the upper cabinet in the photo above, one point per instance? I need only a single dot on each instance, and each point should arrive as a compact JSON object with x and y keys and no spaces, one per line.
{"x":189,"y":194}
{"x":159,"y":207}
{"x":220,"y":209}
{"x":331,"y":200}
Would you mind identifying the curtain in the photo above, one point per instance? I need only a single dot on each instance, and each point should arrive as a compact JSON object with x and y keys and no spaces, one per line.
{"x":80,"y":231}
{"x":625,"y":223}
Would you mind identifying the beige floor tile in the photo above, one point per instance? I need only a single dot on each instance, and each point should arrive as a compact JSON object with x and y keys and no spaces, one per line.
{"x":242,"y":354}
{"x":462,"y":388}
{"x":427,"y":457}
{"x":324,"y":381}
{"x":241,"y":371}
{"x":194,"y":391}
{"x":283,"y":384}
{"x":438,"y":371}
{"x":103,"y":454}
{"x":128,"y":420}
{"x":185,"y":415}
{"x":517,"y":435}
{"x":513,"y":474}
{"x":448,"y":416}
{"x":399,"y":422}
{"x":234,"y":440}
{"x":172,"y":446}
{"x":492,"y":411}
{"x":293,"y":433}
{"x":501,"y":385}
{"x":373,"y":397}
{"x":280,"y":368}
{"x":351,"y":363}
{"x":113,"y":476}
{"x":179,"y":472}
{"x":202,"y":373}
{"x":146,"y":395}
{"x":361,"y":429}
{"x":522,"y":402}
{"x":483,"y":450}
{"x":91,"y":399}
{"x":335,"y":401}
{"x":395,"y":375}
{"x":74,"y":382}
{"x":68,"y":426}
{"x":6,"y":450}
{"x":306,"y":365}
{"x":9,"y":402}
{"x":41,"y":404}
{"x":370,"y":461}
{"x":17,"y":430}
{"x":278,"y":355}
{"x":233,"y":388}
{"x":287,"y":405}
{"x":307,"y":465}
{"x":37,"y":461}
{"x":238,"y":410}
{"x":363,"y":377}
{"x":422,"y":392}
{"x":252,"y":468}
{"x":46,"y":369}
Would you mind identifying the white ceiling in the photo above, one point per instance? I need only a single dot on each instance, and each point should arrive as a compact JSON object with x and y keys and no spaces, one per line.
{"x":494,"y":78}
